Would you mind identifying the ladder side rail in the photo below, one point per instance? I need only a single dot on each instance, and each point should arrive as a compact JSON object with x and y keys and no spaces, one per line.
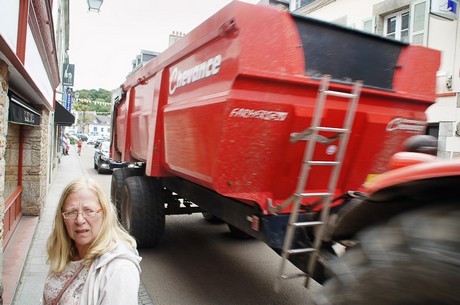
{"x":290,"y":231}
{"x":348,"y":121}
{"x":308,"y":153}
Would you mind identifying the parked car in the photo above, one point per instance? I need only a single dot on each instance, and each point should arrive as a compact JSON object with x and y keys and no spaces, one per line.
{"x":91,"y":140}
{"x":98,"y":140}
{"x":82,"y":136}
{"x":102,"y":161}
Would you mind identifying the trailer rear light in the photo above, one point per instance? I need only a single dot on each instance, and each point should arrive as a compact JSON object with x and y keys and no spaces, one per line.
{"x":255,"y":222}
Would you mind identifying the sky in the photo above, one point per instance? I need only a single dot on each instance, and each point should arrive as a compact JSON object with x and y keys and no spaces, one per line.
{"x":102,"y":45}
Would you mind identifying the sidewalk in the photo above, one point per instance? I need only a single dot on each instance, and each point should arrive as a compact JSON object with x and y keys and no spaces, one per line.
{"x":30,"y":287}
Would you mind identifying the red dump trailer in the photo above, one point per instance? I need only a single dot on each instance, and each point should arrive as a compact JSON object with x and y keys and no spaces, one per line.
{"x":210,"y":122}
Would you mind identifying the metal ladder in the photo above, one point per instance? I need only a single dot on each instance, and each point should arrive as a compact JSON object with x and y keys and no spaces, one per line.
{"x":311,"y":135}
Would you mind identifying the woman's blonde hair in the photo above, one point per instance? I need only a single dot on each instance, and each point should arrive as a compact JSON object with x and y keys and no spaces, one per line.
{"x":61,"y":248}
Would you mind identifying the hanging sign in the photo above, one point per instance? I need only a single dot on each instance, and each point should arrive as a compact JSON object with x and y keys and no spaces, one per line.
{"x":68,"y":99}
{"x":20,"y":112}
{"x":68,"y":74}
{"x":445,"y":8}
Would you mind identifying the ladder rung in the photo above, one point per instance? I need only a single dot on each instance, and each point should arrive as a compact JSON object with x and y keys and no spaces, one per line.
{"x":314,"y":194}
{"x":331,"y":129}
{"x":302,"y":250}
{"x":325,"y":163}
{"x":307,"y":223}
{"x":293,"y":276}
{"x":340,"y":94}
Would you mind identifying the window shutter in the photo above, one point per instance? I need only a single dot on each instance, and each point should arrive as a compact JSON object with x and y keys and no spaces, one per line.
{"x":369,"y":25}
{"x":419,"y":22}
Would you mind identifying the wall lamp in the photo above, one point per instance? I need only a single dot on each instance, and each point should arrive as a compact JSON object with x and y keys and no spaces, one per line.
{"x":94,"y":5}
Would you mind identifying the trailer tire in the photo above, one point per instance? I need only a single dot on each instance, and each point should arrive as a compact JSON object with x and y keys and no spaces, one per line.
{"x":143,"y":211}
{"x":116,"y":185}
{"x":413,"y":259}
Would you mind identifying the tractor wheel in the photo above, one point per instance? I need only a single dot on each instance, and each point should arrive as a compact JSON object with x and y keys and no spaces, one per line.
{"x":143,"y":211}
{"x":118,"y":178}
{"x":413,"y":259}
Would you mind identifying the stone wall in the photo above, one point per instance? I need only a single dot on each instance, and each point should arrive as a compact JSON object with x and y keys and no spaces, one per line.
{"x":11,"y":159}
{"x":35,"y":161}
{"x":4,"y":104}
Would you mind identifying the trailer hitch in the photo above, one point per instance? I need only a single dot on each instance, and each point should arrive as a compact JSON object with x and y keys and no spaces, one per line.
{"x":306,"y":135}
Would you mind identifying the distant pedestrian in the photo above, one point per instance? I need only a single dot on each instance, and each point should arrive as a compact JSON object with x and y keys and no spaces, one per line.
{"x":65,"y":145}
{"x":93,"y":260}
{"x":79,"y":144}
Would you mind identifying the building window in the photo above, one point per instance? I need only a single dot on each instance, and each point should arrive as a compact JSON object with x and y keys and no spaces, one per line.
{"x":300,"y":3}
{"x":408,"y":24}
{"x":396,"y":26}
{"x":419,"y":22}
{"x":369,"y":25}
{"x":433,"y":130}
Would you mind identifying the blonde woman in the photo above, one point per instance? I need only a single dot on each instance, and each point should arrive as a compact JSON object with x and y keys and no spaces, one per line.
{"x":93,"y":260}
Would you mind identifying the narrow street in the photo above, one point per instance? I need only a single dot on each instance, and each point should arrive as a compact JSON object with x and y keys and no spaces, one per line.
{"x":199,"y":263}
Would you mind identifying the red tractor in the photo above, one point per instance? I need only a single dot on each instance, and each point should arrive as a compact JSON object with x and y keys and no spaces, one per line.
{"x":401,"y":235}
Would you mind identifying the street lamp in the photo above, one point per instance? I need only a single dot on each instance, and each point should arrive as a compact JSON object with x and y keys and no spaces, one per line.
{"x":94,"y":5}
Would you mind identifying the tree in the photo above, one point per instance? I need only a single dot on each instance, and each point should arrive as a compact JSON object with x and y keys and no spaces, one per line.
{"x":90,"y":101}
{"x":93,"y":100}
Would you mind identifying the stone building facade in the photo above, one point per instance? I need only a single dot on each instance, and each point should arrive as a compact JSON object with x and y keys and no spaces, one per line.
{"x":3,"y":128}
{"x":29,"y":118}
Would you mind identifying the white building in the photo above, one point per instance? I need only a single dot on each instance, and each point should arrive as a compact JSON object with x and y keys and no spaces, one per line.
{"x":431,"y":23}
{"x":100,"y":126}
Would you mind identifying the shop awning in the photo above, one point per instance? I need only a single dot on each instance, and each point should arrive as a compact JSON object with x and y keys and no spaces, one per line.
{"x":22,"y":113}
{"x":62,"y":116}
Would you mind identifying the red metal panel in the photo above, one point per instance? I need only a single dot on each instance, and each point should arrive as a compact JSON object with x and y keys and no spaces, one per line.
{"x":22,"y":29}
{"x":421,"y":171}
{"x":140,"y":118}
{"x":416,"y":75}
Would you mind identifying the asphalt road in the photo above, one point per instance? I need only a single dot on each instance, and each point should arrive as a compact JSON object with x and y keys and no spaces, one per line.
{"x":199,"y":264}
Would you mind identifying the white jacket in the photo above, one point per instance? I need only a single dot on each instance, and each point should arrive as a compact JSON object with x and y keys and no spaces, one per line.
{"x":113,"y":278}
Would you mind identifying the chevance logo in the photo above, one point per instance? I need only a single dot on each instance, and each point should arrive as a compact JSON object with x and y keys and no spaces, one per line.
{"x":205,"y":69}
{"x":405,"y":124}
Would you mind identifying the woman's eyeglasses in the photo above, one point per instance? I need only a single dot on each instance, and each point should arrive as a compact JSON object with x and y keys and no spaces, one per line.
{"x":87,"y":213}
